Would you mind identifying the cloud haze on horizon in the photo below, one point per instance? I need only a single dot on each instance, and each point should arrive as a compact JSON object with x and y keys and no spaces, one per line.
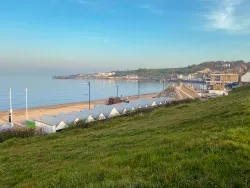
{"x":94,"y":35}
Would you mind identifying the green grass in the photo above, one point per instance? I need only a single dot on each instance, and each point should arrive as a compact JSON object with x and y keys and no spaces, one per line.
{"x":199,"y":144}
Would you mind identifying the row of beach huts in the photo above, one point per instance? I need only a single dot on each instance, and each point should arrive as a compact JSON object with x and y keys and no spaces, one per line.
{"x":52,"y":124}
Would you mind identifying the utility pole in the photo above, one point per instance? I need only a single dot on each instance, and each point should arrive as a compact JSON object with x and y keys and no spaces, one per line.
{"x":117,"y":91}
{"x":163,"y":84}
{"x":88,"y":83}
{"x":89,"y":94}
{"x":11,"y":111}
{"x":139,"y":89}
{"x":27,"y":117}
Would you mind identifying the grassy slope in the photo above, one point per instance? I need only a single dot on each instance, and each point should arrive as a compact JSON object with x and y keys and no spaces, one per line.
{"x":198,"y":144}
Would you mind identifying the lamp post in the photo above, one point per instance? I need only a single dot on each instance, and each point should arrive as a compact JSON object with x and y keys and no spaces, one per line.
{"x":11,"y":111}
{"x":27,"y":117}
{"x":163,"y":84}
{"x":88,"y":83}
{"x":117,"y":91}
{"x":139,"y":89}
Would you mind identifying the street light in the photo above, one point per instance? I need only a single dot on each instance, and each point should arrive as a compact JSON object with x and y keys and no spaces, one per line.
{"x":163,"y":84}
{"x":139,"y":89}
{"x":117,"y":90}
{"x":88,"y":83}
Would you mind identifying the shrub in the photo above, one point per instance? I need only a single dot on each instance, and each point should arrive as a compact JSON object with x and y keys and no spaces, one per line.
{"x":17,"y":133}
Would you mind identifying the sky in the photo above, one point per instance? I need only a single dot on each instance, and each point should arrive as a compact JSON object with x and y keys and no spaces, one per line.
{"x":70,"y":36}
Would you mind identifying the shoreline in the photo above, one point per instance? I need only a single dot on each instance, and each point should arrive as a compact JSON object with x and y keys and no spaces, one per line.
{"x":37,"y":112}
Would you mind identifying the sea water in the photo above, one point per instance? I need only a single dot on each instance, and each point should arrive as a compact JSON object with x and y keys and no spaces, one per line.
{"x":45,"y":91}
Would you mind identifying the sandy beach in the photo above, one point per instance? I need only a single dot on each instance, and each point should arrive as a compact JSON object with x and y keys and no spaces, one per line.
{"x":34,"y":113}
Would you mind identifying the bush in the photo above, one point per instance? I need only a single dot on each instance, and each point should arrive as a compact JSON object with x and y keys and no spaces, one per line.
{"x":17,"y":133}
{"x":173,"y":103}
{"x":82,"y":124}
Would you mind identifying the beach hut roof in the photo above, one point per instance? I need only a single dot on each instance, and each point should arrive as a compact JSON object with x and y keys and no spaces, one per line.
{"x":51,"y":120}
{"x":104,"y":109}
{"x":68,"y":118}
{"x":96,"y":113}
{"x":128,"y":107}
{"x":134,"y":104}
{"x":144,"y":102}
{"x":120,"y":107}
{"x":81,"y":115}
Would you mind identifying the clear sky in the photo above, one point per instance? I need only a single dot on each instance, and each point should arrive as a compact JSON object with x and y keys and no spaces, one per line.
{"x":93,"y":35}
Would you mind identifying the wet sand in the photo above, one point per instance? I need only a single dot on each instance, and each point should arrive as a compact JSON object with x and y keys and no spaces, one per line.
{"x":35,"y":113}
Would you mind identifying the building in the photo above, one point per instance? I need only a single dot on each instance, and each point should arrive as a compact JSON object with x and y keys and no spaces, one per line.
{"x":246,"y":78}
{"x":223,"y":78}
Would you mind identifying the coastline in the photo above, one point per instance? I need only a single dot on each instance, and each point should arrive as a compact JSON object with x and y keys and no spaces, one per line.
{"x":20,"y":116}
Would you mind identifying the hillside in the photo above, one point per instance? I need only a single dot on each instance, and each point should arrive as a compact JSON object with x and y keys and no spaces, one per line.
{"x":158,"y":73}
{"x":199,"y":144}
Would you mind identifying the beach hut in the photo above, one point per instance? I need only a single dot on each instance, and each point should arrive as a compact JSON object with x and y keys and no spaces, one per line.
{"x":83,"y":116}
{"x":45,"y":127}
{"x":158,"y":101}
{"x":135,"y":105}
{"x":121,"y":108}
{"x":144,"y":103}
{"x":107,"y":111}
{"x":129,"y":107}
{"x":52,"y":123}
{"x":89,"y":119}
{"x":151,"y":102}
{"x":68,"y":119}
{"x":97,"y":115}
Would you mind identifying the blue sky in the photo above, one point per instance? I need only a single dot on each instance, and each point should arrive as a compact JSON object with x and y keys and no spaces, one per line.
{"x":100,"y":35}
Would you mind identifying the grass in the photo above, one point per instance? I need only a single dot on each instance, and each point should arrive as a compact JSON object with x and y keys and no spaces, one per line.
{"x":199,"y":144}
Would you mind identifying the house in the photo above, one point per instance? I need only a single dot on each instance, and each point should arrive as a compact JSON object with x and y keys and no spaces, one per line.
{"x":223,"y":78}
{"x":246,"y":78}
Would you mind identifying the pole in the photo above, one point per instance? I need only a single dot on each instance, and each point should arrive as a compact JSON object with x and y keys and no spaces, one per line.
{"x":89,"y":94}
{"x":11,"y":111}
{"x":163,"y":83}
{"x":27,"y":117}
{"x":138,"y":89}
{"x":117,"y":91}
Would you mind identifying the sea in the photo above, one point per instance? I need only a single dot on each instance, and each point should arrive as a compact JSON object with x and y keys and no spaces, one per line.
{"x":46,"y":91}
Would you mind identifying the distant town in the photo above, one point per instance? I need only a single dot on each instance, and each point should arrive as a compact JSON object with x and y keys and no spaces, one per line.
{"x":213,"y":73}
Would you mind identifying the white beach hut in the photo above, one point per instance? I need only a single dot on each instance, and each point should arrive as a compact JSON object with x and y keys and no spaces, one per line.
{"x":84,"y":116}
{"x":107,"y":111}
{"x":158,"y":101}
{"x":129,"y":107}
{"x":68,"y":119}
{"x":121,"y":108}
{"x":151,"y":102}
{"x":144,"y":103}
{"x":51,"y":123}
{"x":135,"y":105}
{"x":97,"y":115}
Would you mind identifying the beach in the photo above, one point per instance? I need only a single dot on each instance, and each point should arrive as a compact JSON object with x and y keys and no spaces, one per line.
{"x":36,"y":113}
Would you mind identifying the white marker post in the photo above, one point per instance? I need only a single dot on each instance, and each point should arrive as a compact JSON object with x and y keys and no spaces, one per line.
{"x":27,"y":116}
{"x":11,"y":111}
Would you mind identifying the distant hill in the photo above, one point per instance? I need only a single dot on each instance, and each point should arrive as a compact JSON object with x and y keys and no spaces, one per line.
{"x":213,"y":65}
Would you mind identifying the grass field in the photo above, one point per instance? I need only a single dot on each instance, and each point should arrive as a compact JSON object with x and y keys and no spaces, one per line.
{"x":199,"y":144}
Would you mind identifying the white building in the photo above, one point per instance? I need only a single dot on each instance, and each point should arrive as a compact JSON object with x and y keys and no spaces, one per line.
{"x":246,"y":78}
